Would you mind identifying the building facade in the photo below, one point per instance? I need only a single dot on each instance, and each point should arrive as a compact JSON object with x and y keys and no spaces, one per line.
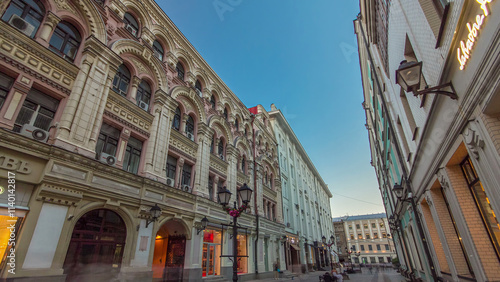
{"x":341,"y":239}
{"x":107,"y":112}
{"x":368,"y":239}
{"x":434,"y":145}
{"x":306,"y":202}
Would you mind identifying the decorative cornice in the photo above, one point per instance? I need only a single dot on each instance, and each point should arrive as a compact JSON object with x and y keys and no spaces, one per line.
{"x":126,"y":123}
{"x":472,"y":139}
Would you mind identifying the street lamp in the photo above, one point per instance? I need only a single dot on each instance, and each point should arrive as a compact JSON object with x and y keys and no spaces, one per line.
{"x":154,"y":212}
{"x":408,"y":76}
{"x":202,"y":225}
{"x":245,"y":193}
{"x":332,"y":241}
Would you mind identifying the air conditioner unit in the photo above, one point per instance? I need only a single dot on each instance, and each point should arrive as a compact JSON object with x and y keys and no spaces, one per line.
{"x":107,"y":159}
{"x":190,"y":136}
{"x":186,"y":188}
{"x":21,"y":25}
{"x":143,"y":106}
{"x":34,"y":133}
{"x":158,"y":55}
{"x":132,"y":30}
{"x":170,"y":182}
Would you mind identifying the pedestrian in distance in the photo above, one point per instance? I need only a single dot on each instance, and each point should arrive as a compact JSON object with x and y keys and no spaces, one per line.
{"x":276,"y":270}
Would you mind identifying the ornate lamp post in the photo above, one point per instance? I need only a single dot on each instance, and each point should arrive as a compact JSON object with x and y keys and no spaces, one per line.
{"x":245,"y":193}
{"x":332,"y":241}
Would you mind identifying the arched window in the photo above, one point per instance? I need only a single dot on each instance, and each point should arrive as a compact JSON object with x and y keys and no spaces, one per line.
{"x":158,"y":50}
{"x":212,"y":101}
{"x":225,"y":113}
{"x":143,"y":95}
{"x":220,"y":150}
{"x":197,"y":85}
{"x":246,"y":131}
{"x":25,"y":15}
{"x":176,"y":122}
{"x":131,"y":24}
{"x":212,"y":148}
{"x":243,"y":164}
{"x":65,"y":41}
{"x":121,"y":80}
{"x":180,"y":71}
{"x":190,"y":126}
{"x":236,"y":124}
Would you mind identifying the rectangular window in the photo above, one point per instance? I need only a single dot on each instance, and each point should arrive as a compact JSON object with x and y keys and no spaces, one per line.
{"x":171,"y":167}
{"x":242,"y":251}
{"x":378,"y":247}
{"x":38,"y":110}
{"x":352,"y":236}
{"x":370,"y":248}
{"x":367,"y":236}
{"x":372,"y":260}
{"x":381,"y":259}
{"x":373,"y":225}
{"x":384,"y":235}
{"x":483,"y":203}
{"x":386,"y":247}
{"x":132,"y":155}
{"x":362,"y":247}
{"x":350,"y":227}
{"x":5,"y":86}
{"x":107,"y":141}
{"x":360,"y":236}
{"x":375,"y":235}
{"x":186,"y":174}
{"x":357,"y":226}
{"x":365,"y":226}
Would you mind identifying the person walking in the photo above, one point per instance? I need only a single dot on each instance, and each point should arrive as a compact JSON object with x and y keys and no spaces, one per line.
{"x":276,"y":270}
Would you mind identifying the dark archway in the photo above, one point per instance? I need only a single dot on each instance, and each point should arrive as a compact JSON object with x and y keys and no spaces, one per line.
{"x":169,"y":251}
{"x":96,"y":247}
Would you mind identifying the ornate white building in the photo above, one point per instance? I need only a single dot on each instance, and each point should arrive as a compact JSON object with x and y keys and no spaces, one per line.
{"x":306,"y":202}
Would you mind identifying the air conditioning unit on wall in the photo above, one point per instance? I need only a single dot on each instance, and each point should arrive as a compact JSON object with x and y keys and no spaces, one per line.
{"x":186,"y":188}
{"x":143,"y":106}
{"x":170,"y":182}
{"x":21,"y":25}
{"x":190,"y":136}
{"x":35,"y":133}
{"x":107,"y":159}
{"x":131,"y":29}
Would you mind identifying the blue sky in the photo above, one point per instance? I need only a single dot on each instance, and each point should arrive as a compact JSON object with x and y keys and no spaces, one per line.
{"x":301,"y":56}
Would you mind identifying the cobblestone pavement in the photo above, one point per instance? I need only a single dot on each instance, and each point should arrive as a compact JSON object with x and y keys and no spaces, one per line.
{"x":387,"y":275}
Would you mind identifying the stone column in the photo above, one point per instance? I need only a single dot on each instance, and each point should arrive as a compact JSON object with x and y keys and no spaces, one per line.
{"x":48,"y":26}
{"x":133,"y":89}
{"x":202,"y":160}
{"x":232,"y":159}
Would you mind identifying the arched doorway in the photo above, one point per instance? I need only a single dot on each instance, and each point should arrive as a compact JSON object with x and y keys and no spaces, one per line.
{"x":96,"y":247}
{"x":169,"y":253}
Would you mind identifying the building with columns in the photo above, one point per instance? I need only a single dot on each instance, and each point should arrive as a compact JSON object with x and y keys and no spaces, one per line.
{"x":306,"y":202}
{"x":368,"y":239}
{"x":431,"y":97}
{"x":107,"y":112}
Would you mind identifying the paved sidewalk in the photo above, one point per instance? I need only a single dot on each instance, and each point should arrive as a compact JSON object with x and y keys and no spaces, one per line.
{"x":382,"y":275}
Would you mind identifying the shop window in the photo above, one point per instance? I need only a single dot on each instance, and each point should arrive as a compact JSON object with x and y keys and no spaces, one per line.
{"x":121,"y":81}
{"x":158,"y":50}
{"x":25,"y":15}
{"x":65,"y":41}
{"x":131,"y":24}
{"x":242,"y":251}
{"x":143,"y":96}
{"x":107,"y":141}
{"x":180,"y":71}
{"x":6,"y":221}
{"x":211,"y":253}
{"x":482,"y":202}
{"x":132,"y":155}
{"x":6,"y":83}
{"x":186,"y":175}
{"x":176,"y":122}
{"x":171,"y":168}
{"x":38,"y":110}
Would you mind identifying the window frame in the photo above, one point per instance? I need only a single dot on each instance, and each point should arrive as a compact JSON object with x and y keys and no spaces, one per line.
{"x":134,"y":24}
{"x":159,"y":50}
{"x":121,"y":77}
{"x":130,"y":151}
{"x":36,"y":113}
{"x":5,"y":87}
{"x":75,"y":40}
{"x":143,"y":93}
{"x":27,"y":10}
{"x":180,"y":70}
{"x":176,"y":120}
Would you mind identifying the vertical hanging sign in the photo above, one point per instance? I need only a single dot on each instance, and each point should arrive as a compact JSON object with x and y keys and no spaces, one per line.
{"x":465,"y":50}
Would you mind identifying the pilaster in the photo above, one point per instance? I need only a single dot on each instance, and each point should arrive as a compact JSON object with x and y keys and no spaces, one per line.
{"x":202,"y":160}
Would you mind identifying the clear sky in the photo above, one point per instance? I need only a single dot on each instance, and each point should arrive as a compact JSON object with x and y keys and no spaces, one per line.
{"x":302,"y":56}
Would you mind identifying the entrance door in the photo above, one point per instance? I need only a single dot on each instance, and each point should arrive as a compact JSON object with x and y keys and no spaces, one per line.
{"x":208,"y":263}
{"x":96,"y":247}
{"x":174,"y":264}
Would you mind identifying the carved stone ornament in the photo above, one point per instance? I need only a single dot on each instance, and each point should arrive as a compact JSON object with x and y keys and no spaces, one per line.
{"x":443,"y":181}
{"x":473,"y":140}
{"x":428,"y":199}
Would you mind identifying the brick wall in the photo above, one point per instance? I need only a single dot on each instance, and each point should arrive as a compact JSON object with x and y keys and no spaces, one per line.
{"x":450,"y":234}
{"x":478,"y":232}
{"x":436,"y":243}
{"x":492,"y":124}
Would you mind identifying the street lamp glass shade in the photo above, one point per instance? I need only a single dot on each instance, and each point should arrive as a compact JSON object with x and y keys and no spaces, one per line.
{"x":398,"y":190}
{"x":224,"y":196}
{"x":323,"y":239}
{"x":204,"y":223}
{"x":408,"y":75}
{"x":331,"y":239}
{"x":245,"y":193}
{"x":155,"y":211}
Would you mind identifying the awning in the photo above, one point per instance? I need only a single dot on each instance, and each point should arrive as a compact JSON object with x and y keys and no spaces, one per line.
{"x":295,"y":247}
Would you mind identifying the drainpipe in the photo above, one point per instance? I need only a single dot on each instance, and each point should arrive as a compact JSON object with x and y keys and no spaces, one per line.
{"x":255,"y":197}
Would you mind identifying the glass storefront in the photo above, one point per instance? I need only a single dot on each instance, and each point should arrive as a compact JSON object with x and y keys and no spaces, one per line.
{"x":9,"y":228}
{"x":211,"y":252}
{"x":242,"y":251}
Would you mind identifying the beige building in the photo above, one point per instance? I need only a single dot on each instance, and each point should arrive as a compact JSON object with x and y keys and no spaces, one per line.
{"x":368,"y":239}
{"x":431,"y":97}
{"x":107,"y":113}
